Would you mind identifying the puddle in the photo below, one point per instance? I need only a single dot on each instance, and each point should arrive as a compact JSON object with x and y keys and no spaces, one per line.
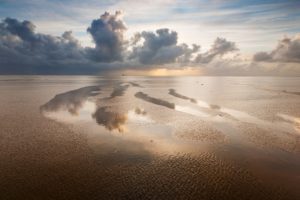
{"x":289,"y":118}
{"x":129,"y":122}
{"x":191,"y":111}
{"x":119,"y":90}
{"x":105,"y":123}
{"x":239,"y":115}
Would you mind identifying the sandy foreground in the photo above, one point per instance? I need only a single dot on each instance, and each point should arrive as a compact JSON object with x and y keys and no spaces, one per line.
{"x":42,"y":158}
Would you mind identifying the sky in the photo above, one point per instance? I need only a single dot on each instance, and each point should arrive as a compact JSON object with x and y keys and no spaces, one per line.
{"x":197,"y":37}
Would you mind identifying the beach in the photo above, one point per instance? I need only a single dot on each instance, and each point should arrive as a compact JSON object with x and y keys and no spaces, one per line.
{"x":93,"y":137}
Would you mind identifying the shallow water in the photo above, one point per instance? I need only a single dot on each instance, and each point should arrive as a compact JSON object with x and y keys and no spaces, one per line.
{"x":253,"y":122}
{"x":123,"y":106}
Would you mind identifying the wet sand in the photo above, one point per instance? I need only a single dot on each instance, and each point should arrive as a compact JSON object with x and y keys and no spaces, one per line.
{"x":50,"y":149}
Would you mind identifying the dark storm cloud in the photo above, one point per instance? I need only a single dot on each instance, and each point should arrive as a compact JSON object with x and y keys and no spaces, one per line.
{"x":160,"y":47}
{"x":287,"y":50}
{"x":220,"y":47}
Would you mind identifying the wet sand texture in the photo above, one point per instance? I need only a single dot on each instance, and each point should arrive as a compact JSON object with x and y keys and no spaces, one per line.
{"x":44,"y":159}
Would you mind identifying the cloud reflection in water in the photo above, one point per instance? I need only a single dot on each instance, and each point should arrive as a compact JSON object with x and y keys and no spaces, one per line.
{"x":70,"y":101}
{"x":87,"y":105}
{"x":110,"y":120}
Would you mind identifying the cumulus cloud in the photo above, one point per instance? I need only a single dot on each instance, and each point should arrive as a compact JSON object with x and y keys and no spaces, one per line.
{"x":107,"y":33}
{"x":20,"y":38}
{"x":160,"y":47}
{"x":287,"y":50}
{"x":24,"y":51}
{"x":239,"y":66}
{"x":220,"y":47}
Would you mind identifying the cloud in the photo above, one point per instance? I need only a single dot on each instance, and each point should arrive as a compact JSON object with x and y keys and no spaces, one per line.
{"x":21,"y":49}
{"x":25,"y":51}
{"x":160,"y":47}
{"x":243,"y":67}
{"x":107,"y":33}
{"x":287,"y":50}
{"x":20,"y":38}
{"x":220,"y":47}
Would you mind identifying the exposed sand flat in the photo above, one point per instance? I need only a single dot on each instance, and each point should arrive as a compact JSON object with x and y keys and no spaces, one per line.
{"x":152,"y":157}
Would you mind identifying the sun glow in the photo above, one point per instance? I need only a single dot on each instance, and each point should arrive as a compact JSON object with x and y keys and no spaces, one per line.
{"x":188,"y":71}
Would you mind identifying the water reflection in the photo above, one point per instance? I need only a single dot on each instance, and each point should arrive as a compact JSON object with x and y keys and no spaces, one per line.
{"x":221,"y":124}
{"x":71,"y":101}
{"x":135,"y":84}
{"x":87,"y":107}
{"x":129,"y":119}
{"x":140,"y":111}
{"x":237,"y":115}
{"x":119,"y":90}
{"x":110,"y":120}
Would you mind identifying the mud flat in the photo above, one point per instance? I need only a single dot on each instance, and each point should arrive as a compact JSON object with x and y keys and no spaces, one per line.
{"x":62,"y":138}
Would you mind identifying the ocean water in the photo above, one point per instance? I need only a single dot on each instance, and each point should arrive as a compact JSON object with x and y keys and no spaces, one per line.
{"x":250,"y":122}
